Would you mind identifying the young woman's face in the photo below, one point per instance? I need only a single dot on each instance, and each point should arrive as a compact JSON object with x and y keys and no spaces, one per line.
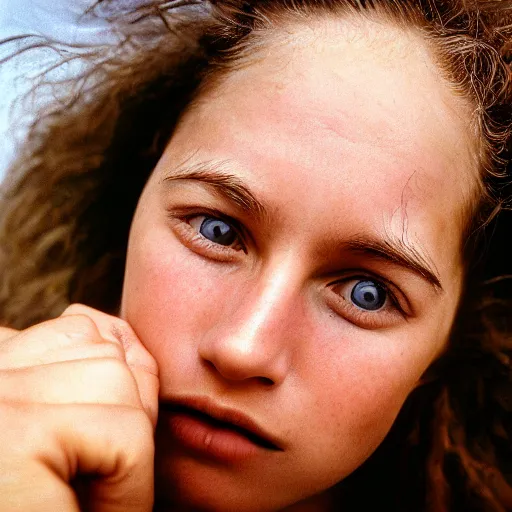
{"x":294,"y":262}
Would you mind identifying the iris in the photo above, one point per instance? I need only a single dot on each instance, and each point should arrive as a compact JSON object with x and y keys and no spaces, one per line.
{"x":218,"y":231}
{"x":368,"y":295}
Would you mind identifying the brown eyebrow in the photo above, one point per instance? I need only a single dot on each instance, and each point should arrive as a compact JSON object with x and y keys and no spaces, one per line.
{"x":231,"y":187}
{"x":224,"y":183}
{"x":396,"y":251}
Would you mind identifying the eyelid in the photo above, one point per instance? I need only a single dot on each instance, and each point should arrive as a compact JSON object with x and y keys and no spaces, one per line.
{"x":197,"y":243}
{"x":186,"y":213}
{"x":382,"y":318}
{"x":363,"y":273}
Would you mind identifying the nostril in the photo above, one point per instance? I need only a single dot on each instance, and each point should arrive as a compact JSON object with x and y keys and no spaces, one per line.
{"x":209,"y":364}
{"x":236,"y":374}
{"x":266,"y":381}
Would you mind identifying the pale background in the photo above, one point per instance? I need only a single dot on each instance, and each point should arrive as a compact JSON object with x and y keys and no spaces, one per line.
{"x":62,"y":21}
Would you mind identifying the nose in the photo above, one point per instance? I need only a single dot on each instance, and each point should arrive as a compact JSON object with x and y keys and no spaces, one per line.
{"x":253,"y":338}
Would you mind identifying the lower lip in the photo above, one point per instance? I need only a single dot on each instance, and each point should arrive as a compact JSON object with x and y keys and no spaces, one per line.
{"x":211,"y":441}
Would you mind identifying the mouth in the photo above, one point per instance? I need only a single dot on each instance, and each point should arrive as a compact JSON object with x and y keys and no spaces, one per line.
{"x":199,"y":425}
{"x":220,"y":424}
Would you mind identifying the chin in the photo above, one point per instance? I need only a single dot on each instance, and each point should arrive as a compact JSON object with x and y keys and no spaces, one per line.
{"x":197,"y":500}
{"x":184,"y":488}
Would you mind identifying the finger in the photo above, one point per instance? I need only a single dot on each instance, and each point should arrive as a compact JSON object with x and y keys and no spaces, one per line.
{"x":118,"y":331}
{"x":94,"y":381}
{"x":6,"y":333}
{"x":143,"y":367}
{"x":34,"y":486}
{"x":139,"y":360}
{"x":115,"y":444}
{"x":51,"y":341}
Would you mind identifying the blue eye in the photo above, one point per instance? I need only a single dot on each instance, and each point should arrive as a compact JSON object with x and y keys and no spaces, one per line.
{"x":218,"y":231}
{"x":368,"y":295}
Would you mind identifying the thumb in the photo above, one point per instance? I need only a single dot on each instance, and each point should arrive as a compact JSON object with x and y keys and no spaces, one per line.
{"x":113,"y":454}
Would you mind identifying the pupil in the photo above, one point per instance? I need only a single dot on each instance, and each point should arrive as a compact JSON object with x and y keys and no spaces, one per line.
{"x":368,"y":295}
{"x":217,"y":231}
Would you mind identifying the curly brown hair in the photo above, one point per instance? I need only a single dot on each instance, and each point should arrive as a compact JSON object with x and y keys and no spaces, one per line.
{"x":68,"y":204}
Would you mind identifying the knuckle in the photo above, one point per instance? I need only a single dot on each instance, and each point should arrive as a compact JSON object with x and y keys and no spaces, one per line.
{"x":81,"y":327}
{"x":75,"y":309}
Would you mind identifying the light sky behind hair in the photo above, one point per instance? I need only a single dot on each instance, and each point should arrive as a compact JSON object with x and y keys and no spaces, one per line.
{"x":62,"y":21}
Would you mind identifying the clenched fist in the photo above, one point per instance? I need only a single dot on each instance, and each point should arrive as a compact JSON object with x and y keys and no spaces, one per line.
{"x":78,"y":407}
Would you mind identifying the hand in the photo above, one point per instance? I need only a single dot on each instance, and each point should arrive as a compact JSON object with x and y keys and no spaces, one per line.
{"x":78,"y":396}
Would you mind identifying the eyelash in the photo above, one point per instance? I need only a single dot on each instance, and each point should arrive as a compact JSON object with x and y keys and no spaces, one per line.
{"x":385,"y":316}
{"x":204,"y":247}
{"x":337,"y":302}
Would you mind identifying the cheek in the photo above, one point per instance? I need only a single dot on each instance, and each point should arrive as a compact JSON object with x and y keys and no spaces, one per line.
{"x":169,"y":292}
{"x":356,"y":385}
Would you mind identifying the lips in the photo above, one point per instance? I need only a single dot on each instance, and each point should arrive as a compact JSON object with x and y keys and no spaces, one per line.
{"x":217,"y":432}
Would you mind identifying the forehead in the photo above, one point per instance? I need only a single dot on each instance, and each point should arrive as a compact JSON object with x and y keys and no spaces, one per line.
{"x":367,"y":82}
{"x":345,"y":116}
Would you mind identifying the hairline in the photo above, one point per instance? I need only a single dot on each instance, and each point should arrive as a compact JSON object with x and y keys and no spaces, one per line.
{"x":407,"y":20}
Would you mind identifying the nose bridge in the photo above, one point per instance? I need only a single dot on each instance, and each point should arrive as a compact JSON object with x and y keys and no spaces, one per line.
{"x":269,"y":307}
{"x":256,"y":338}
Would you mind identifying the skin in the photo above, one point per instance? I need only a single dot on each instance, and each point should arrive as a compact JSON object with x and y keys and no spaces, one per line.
{"x":348,"y":133}
{"x":345,"y":128}
{"x":52,"y":434}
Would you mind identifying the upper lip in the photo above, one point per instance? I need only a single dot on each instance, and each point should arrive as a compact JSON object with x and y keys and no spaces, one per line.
{"x":231,"y":417}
